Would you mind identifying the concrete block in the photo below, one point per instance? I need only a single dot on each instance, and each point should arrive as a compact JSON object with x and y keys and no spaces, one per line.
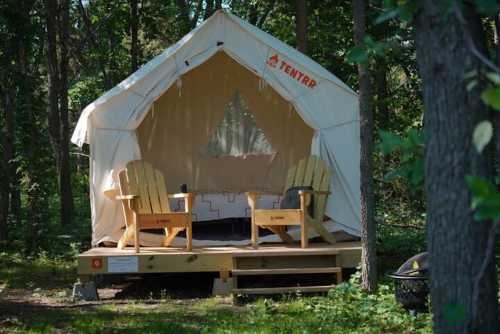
{"x":85,"y":291}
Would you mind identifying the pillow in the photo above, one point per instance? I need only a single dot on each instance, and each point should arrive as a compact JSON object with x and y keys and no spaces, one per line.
{"x":291,"y":200}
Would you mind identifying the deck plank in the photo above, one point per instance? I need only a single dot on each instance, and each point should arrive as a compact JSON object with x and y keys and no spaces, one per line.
{"x":276,"y":290}
{"x":285,"y":271}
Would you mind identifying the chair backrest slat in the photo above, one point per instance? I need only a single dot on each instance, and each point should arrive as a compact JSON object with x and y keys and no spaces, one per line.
{"x":319,"y":210}
{"x":318,"y":175}
{"x":143,"y":187}
{"x":290,"y":178}
{"x":299,"y":175}
{"x":310,"y":168}
{"x":162,"y":192}
{"x":152,"y":188}
{"x":311,"y":171}
{"x":148,"y":184}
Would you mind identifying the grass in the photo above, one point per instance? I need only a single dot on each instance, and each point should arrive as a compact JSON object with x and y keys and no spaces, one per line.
{"x":35,"y":300}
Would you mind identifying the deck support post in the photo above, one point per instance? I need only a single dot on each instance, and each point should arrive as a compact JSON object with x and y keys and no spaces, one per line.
{"x":222,"y":285}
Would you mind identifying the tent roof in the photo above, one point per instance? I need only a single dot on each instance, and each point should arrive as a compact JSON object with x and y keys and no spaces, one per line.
{"x":127,"y":86}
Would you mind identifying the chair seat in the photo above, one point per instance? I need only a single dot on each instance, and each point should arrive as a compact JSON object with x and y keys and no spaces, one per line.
{"x":145,"y":205}
{"x":277,"y":217}
{"x":312,"y":176}
{"x":160,"y":220}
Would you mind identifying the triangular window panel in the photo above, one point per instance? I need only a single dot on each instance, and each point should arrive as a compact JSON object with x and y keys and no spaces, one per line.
{"x":237,"y":134}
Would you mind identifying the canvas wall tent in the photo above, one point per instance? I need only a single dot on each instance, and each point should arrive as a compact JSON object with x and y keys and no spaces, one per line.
{"x":226,"y":109}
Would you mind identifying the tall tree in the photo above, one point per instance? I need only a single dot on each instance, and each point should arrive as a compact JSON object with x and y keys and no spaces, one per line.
{"x":134,"y":28}
{"x":301,"y":25}
{"x":496,"y":115}
{"x":28,"y":36}
{"x":209,"y":9}
{"x":57,"y":21}
{"x":6,"y":165}
{"x":368,"y":229}
{"x":456,"y":243}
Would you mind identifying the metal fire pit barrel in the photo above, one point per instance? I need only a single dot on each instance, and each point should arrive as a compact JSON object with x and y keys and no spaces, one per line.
{"x":411,"y":283}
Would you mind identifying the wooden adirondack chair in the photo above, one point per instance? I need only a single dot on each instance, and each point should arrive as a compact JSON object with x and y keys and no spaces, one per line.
{"x":310,"y":171}
{"x":145,"y":205}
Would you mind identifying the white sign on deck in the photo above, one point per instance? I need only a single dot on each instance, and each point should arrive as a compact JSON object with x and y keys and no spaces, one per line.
{"x":123,"y":264}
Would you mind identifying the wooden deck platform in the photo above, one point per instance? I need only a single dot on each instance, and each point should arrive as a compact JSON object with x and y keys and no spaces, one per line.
{"x":106,"y":260}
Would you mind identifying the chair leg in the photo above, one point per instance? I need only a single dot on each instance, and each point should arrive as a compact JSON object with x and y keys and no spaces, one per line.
{"x":189,"y":237}
{"x":127,"y":234}
{"x":280,"y":232}
{"x":255,"y":234}
{"x":172,"y":233}
{"x":136,"y":234}
{"x":304,"y":238}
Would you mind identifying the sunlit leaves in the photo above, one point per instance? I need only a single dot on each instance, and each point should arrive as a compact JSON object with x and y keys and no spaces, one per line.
{"x":486,"y":198}
{"x":491,"y":97}
{"x":389,"y":141}
{"x":482,"y":135}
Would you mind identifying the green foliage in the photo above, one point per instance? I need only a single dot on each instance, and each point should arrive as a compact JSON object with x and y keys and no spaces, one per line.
{"x":41,"y":273}
{"x":402,"y":10}
{"x":359,"y":312}
{"x":487,"y":7}
{"x":491,"y":97}
{"x":482,"y":135}
{"x":454,"y":313}
{"x":486,"y":198}
{"x":369,"y":49}
{"x":346,"y":309}
{"x":410,"y":150}
{"x":395,"y":244}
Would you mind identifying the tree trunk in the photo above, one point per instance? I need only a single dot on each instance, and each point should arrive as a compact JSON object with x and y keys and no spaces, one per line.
{"x":65,"y":190}
{"x":92,"y":38}
{"x":496,"y":114}
{"x":368,"y":228}
{"x":8,"y":155}
{"x":209,"y":10}
{"x":29,"y":139}
{"x":58,"y":102}
{"x":456,"y":243}
{"x":218,"y":4}
{"x":301,"y":25}
{"x":53,"y":77}
{"x":134,"y":26}
{"x":184,"y":16}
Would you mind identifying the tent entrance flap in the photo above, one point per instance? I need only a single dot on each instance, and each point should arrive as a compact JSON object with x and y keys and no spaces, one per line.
{"x":222,"y":130}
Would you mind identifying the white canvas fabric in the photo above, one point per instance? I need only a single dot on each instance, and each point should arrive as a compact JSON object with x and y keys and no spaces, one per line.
{"x":324,"y":103}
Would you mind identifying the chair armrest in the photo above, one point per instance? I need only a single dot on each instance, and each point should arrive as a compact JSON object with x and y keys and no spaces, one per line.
{"x":188,"y":200}
{"x":125,"y":197}
{"x":262,"y":193}
{"x":305,"y":196}
{"x":314,"y":192}
{"x":181,"y":195}
{"x":253,"y":196}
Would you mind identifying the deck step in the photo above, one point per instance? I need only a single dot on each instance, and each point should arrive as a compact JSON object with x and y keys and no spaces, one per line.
{"x":291,"y":289}
{"x":286,"y":271}
{"x":285,"y":252}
